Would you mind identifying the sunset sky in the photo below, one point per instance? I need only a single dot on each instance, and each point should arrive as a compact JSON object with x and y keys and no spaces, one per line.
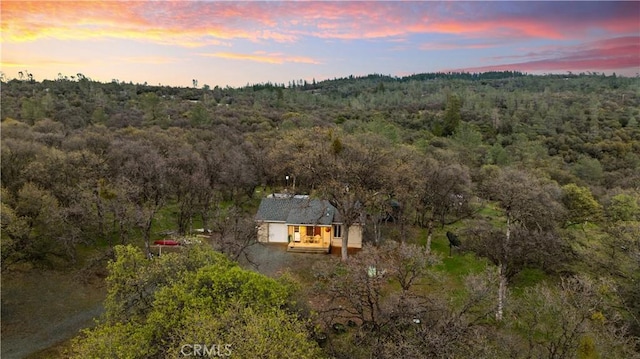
{"x":235,"y":43}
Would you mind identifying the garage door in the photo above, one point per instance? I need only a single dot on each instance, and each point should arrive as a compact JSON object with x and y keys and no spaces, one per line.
{"x":278,"y":233}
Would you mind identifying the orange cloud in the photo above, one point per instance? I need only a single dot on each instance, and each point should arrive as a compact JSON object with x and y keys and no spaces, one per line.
{"x":176,"y":23}
{"x":152,"y":60}
{"x":261,"y":56}
{"x":13,"y":64}
{"x":39,"y":63}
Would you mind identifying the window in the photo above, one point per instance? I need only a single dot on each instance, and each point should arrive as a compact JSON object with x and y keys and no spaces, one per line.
{"x":337,"y":231}
{"x":296,"y":229}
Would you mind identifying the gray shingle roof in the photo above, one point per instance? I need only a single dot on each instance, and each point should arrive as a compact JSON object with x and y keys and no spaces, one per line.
{"x":296,"y":210}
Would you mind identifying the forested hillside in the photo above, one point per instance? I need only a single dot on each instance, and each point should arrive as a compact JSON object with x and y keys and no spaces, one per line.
{"x":534,"y":174}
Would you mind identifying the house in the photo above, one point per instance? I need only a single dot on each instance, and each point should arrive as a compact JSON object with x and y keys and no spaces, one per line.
{"x":304,"y":224}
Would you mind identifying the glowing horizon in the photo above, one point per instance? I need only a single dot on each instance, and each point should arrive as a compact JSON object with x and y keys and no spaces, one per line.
{"x":235,"y":43}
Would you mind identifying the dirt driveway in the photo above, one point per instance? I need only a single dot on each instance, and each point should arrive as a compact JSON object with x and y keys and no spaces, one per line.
{"x":42,"y":308}
{"x":272,"y":259}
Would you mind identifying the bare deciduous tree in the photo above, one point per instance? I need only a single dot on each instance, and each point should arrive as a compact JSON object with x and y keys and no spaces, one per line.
{"x":532,"y":212}
{"x":233,"y":233}
{"x":406,"y":323}
{"x":577,"y":316}
{"x":444,"y":190}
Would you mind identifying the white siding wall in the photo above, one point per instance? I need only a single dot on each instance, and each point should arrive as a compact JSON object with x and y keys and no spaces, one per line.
{"x":355,"y":238}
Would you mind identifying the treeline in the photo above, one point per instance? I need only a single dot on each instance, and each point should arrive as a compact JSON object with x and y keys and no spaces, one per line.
{"x":539,"y":172}
{"x":62,"y":188}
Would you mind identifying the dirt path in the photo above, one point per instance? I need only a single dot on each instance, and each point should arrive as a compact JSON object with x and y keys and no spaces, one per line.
{"x":40,"y":309}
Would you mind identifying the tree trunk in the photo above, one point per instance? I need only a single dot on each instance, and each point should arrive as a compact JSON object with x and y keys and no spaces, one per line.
{"x":121,"y":234}
{"x":376,"y":231}
{"x":508,"y":234}
{"x":345,"y":243}
{"x":147,"y":237}
{"x":100,"y":211}
{"x":502,"y":291}
{"x":147,"y":232}
{"x":502,"y":273}
{"x":429,"y":236}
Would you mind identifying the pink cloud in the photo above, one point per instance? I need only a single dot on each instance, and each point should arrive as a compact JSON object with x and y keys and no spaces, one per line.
{"x":401,"y":26}
{"x":435,"y":46}
{"x":610,"y":54}
{"x":195,"y":23}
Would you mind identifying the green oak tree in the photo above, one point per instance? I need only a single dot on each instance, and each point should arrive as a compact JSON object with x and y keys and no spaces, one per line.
{"x":580,"y":204}
{"x":157,"y":308}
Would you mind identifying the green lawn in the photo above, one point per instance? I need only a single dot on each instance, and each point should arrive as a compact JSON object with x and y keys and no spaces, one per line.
{"x":461,"y":264}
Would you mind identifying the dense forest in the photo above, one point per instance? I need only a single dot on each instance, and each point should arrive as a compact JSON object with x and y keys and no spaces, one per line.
{"x":537,"y":177}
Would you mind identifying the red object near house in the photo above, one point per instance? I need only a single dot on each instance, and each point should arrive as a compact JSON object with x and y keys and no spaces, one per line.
{"x":167,"y":242}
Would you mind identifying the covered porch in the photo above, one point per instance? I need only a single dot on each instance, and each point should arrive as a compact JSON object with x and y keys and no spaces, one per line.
{"x":309,"y":238}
